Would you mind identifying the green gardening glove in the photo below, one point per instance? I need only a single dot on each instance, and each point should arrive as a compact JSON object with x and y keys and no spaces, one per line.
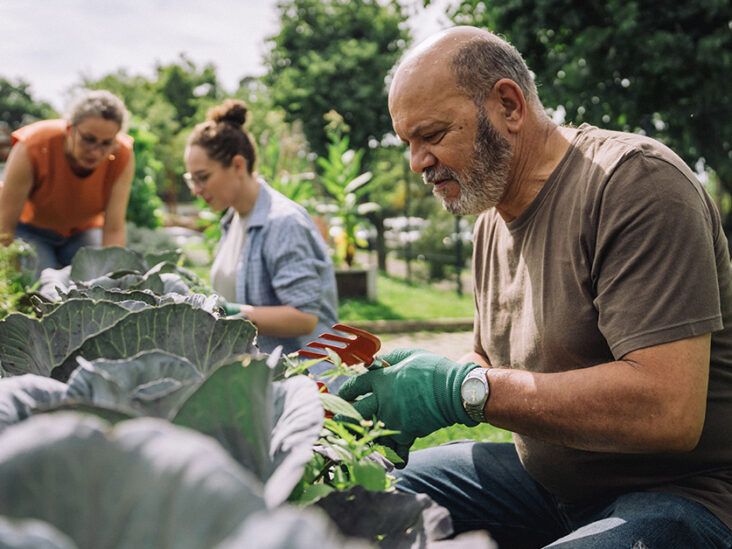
{"x":231,"y":309}
{"x":417,"y":395}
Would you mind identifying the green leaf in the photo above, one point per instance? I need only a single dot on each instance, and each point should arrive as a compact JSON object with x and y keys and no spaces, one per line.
{"x":338,"y":406}
{"x":170,"y":256}
{"x":371,"y":476}
{"x":206,"y":341}
{"x":141,"y":483}
{"x":152,"y":383}
{"x":32,"y":534}
{"x":97,"y":293}
{"x":91,"y":263}
{"x":21,"y":395}
{"x":234,"y":406}
{"x":358,"y":182}
{"x":270,"y":428}
{"x":28,"y":345}
{"x":312,"y":493}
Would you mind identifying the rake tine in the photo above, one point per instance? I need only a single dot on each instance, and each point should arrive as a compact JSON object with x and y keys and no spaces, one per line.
{"x":310,"y":354}
{"x":336,"y":337}
{"x":352,"y":345}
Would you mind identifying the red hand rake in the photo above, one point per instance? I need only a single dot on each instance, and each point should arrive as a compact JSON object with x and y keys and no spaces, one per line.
{"x":358,"y":346}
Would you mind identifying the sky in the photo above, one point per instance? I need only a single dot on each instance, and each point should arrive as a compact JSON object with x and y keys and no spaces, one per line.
{"x":51,"y":44}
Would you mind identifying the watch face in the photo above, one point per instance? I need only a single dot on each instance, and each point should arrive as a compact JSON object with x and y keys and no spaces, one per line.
{"x":473,"y":391}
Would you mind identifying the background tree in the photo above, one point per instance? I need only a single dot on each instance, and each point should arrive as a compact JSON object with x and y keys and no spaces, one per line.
{"x":335,"y":55}
{"x":662,"y":67}
{"x":17,"y":106}
{"x":167,"y":105}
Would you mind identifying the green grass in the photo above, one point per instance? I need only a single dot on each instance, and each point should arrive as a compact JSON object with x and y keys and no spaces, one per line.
{"x":399,"y":300}
{"x":481,"y":433}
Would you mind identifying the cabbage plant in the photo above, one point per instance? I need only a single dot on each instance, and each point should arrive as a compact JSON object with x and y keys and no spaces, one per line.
{"x":137,"y":417}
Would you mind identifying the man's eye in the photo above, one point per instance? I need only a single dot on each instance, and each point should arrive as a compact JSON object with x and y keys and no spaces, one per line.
{"x":435,"y":137}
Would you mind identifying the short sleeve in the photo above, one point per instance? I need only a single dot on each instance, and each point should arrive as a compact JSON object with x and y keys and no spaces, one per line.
{"x":654,"y":270}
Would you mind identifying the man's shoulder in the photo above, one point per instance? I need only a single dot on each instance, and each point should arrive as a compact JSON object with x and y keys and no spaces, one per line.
{"x":610,"y":148}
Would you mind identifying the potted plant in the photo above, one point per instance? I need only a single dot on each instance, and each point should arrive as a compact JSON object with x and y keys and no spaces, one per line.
{"x":347,"y":185}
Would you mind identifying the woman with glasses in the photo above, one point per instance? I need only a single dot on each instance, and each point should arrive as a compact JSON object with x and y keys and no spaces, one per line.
{"x":272,"y":264}
{"x":67,"y":182}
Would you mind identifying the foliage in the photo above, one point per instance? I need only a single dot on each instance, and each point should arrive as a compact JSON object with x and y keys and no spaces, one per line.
{"x":437,"y":245}
{"x":145,"y":209}
{"x":17,"y":265}
{"x":334,"y":55}
{"x":283,"y":159}
{"x":169,"y":104}
{"x":343,"y":180}
{"x":17,"y":106}
{"x":482,"y":433}
{"x":143,"y":240}
{"x":187,"y":435}
{"x":661,"y":68}
{"x":426,"y":302}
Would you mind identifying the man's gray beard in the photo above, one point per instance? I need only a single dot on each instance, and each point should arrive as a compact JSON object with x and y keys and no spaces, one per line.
{"x":483,"y":183}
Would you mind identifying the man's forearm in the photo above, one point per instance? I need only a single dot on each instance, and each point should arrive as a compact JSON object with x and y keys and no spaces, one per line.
{"x":613,"y":407}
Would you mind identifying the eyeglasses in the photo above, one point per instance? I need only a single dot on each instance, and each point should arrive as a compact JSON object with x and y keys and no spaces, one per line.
{"x":196,"y":181}
{"x":90,"y":142}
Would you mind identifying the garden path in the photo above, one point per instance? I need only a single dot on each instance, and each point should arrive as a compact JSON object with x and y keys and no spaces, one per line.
{"x":453,"y":345}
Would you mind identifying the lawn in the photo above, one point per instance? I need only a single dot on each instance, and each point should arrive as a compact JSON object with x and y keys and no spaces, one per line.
{"x":400,"y":300}
{"x":481,"y":433}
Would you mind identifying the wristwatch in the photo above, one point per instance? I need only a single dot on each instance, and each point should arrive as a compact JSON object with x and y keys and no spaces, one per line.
{"x":474,"y":392}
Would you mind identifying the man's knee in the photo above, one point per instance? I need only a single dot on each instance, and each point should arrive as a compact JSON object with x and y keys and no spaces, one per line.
{"x":649,"y":521}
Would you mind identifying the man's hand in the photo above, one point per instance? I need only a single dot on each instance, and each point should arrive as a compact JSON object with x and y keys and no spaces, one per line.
{"x":418,"y":394}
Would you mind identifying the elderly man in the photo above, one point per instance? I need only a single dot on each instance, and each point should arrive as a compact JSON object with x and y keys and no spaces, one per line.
{"x":603,"y":294}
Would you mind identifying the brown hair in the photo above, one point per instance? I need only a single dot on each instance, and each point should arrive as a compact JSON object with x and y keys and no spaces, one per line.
{"x":223,"y":136}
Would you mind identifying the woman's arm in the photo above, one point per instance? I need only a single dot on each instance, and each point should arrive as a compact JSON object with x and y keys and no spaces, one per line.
{"x":15,"y":190}
{"x":114,"y":232}
{"x":280,"y":320}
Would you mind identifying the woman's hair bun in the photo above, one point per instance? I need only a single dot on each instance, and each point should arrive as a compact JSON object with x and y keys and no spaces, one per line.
{"x":231,"y":111}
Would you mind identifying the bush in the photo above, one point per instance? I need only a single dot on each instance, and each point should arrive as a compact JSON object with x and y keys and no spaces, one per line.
{"x":436,"y":245}
{"x":143,"y":240}
{"x":17,"y":265}
{"x":145,"y":206}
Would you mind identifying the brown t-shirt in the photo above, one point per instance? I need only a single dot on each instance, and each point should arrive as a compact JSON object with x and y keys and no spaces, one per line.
{"x":621,"y":249}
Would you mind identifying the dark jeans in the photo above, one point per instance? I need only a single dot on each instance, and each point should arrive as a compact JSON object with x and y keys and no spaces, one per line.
{"x":54,"y":250}
{"x":484,"y":487}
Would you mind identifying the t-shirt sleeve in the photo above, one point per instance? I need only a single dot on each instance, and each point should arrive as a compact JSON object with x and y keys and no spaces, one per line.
{"x":296,"y":260}
{"x":654,"y":269}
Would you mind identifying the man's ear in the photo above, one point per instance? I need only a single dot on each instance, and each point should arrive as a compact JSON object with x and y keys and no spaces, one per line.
{"x":513,"y":104}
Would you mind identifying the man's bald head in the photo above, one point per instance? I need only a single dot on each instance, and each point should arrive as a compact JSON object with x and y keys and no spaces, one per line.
{"x":475,"y":60}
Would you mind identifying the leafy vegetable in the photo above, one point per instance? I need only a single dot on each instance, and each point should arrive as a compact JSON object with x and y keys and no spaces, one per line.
{"x":141,"y":483}
{"x":21,"y":395}
{"x":152,"y":383}
{"x":208,"y":342}
{"x":35,"y":346}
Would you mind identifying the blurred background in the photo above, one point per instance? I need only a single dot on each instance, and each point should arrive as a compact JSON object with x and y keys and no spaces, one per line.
{"x":314,"y":75}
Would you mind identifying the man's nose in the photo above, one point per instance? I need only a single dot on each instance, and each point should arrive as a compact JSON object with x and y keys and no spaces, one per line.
{"x":420,"y":158}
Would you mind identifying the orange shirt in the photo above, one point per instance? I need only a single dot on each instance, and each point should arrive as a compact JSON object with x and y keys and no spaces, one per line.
{"x":61,"y":200}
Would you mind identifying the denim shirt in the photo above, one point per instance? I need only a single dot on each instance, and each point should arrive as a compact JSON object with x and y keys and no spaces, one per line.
{"x":285,"y":261}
